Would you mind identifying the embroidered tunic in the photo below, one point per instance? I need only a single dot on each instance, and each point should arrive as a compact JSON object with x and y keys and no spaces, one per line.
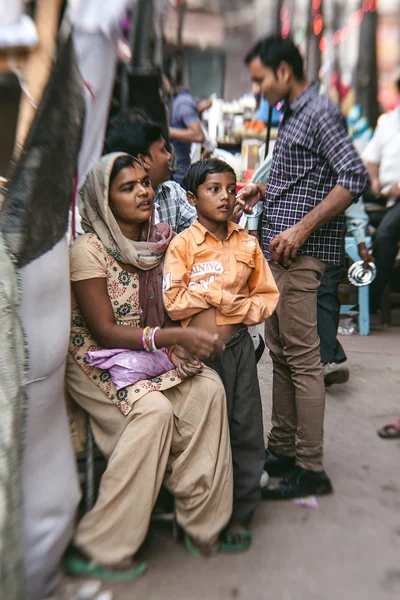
{"x":90,"y":259}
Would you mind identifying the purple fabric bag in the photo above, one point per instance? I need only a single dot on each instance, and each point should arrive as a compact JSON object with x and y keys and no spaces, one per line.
{"x":127,"y":367}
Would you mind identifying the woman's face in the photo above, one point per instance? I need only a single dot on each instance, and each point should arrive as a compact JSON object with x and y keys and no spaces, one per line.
{"x":131,"y":196}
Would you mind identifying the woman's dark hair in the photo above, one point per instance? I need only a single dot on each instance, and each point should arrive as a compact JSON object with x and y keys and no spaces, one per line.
{"x":198,"y":171}
{"x":273,"y":50}
{"x":121,"y":163}
{"x":133,"y":135}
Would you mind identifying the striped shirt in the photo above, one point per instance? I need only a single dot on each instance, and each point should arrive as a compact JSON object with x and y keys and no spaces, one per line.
{"x":312,"y":154}
{"x":173,"y":206}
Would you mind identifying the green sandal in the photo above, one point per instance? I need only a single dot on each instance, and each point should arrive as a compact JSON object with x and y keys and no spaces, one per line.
{"x":235,"y":541}
{"x":75,"y":563}
{"x":190,"y":547}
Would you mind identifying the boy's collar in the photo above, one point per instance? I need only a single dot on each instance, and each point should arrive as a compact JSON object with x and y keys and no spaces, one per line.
{"x":199,"y":231}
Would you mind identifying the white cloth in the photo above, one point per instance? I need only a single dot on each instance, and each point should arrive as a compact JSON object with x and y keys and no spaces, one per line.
{"x":10,"y":11}
{"x":49,"y":480}
{"x":208,"y":144}
{"x":22,"y":33}
{"x":384,"y":149}
{"x":99,"y":16}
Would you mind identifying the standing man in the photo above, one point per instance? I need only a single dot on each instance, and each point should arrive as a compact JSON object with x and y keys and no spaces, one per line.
{"x":185,"y":129}
{"x":315,"y":175}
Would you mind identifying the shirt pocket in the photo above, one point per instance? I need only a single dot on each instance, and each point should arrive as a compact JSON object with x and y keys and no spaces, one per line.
{"x":245,"y":263}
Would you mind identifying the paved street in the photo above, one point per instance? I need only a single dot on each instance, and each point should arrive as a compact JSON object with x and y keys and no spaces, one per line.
{"x":349,"y":547}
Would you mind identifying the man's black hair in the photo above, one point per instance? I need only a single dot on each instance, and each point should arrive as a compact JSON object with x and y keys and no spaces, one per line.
{"x":273,"y":50}
{"x":198,"y":171}
{"x":398,"y":84}
{"x":132,"y":134}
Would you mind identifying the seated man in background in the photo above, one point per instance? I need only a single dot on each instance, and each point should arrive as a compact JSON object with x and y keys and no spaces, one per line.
{"x":382,"y":156}
{"x":143,"y":139}
{"x":333,"y":357}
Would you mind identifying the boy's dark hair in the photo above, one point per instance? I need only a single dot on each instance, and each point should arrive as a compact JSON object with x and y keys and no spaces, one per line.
{"x":198,"y":171}
{"x":132,"y":134}
{"x":273,"y":50}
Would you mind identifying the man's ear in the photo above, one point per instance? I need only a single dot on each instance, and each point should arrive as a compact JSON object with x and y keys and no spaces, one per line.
{"x":191,"y":198}
{"x":284,"y":72}
{"x":145,"y":160}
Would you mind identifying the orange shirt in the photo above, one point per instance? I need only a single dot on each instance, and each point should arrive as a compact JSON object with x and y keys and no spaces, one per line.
{"x":232,"y":275}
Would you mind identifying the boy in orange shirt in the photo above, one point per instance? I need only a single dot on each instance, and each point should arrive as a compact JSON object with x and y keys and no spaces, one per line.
{"x":216,"y":277}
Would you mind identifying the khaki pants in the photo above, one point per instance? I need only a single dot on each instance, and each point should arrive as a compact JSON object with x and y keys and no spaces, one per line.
{"x":179,"y":437}
{"x":298,"y":386}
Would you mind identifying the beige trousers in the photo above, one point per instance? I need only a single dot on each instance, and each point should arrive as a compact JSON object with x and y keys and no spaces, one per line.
{"x":298,"y":385}
{"x":179,"y":438}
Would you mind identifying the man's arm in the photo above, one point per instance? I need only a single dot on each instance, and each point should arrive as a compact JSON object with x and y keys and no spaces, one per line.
{"x":372,"y":157}
{"x":192,"y":134}
{"x":373,"y":172}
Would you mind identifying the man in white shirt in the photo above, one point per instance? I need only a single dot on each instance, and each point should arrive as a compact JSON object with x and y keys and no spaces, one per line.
{"x":382,"y":156}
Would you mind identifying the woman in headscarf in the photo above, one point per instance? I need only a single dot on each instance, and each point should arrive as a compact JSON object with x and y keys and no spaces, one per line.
{"x":169,"y":430}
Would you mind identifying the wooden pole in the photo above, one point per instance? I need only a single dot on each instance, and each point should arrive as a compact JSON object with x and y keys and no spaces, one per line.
{"x":38,"y":67}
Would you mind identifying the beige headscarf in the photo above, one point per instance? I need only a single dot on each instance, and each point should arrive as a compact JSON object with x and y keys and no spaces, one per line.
{"x":97,"y":216}
{"x":146,"y":254}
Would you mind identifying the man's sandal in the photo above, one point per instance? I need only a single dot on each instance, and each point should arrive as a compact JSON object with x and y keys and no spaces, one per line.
{"x":391,"y":431}
{"x":78,"y":565}
{"x":235,"y":541}
{"x":195,"y":551}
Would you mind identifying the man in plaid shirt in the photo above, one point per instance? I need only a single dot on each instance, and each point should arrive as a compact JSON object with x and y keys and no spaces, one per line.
{"x":315,"y":175}
{"x":143,"y":139}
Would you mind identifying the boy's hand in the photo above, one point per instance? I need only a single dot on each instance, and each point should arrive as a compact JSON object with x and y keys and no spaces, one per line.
{"x":249,"y":196}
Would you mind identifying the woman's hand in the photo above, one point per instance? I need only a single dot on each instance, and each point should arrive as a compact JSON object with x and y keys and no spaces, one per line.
{"x":199,"y":343}
{"x":187,"y":365}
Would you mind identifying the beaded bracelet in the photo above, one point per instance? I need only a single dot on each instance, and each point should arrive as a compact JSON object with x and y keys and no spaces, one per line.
{"x":147,"y":339}
{"x":153,"y":342}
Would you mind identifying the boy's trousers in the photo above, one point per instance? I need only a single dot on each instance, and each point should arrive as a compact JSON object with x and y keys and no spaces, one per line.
{"x":237,"y":368}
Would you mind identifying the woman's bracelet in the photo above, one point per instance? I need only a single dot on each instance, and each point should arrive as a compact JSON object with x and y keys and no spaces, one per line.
{"x":147,"y":336}
{"x":170,"y":351}
{"x":153,"y":342}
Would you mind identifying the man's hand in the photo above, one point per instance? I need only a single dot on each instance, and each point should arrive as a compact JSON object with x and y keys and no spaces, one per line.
{"x":237,"y":213}
{"x":249,"y":196}
{"x":364,"y":254}
{"x":394,"y":191}
{"x":284,"y":246}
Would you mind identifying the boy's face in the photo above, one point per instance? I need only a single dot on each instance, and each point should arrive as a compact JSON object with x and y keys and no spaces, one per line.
{"x":216,"y":197}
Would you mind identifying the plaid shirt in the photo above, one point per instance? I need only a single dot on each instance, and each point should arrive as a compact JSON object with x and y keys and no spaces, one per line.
{"x":173,"y":206}
{"x":312,"y":154}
